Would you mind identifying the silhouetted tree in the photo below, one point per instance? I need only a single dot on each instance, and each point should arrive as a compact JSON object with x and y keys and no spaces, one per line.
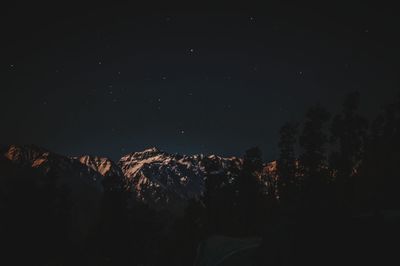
{"x":186,"y":234}
{"x":219,"y":198}
{"x":288,"y":185}
{"x":313,"y":163}
{"x":379,"y":175}
{"x":250,"y":193}
{"x":348,"y":134}
{"x":128,"y":231}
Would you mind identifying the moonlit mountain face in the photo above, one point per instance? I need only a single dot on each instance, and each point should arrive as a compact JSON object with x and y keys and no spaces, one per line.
{"x":101,"y":165}
{"x":66,"y":168}
{"x":157,"y":178}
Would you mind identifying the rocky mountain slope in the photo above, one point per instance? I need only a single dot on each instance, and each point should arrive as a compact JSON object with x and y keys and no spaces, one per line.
{"x":102,"y":165}
{"x":66,"y":168}
{"x":155,"y":177}
{"x":159,"y":178}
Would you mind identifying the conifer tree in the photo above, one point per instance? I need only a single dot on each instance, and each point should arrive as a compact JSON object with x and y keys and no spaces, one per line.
{"x":348,"y":134}
{"x":286,"y":164}
{"x":250,"y":197}
{"x":313,"y":163}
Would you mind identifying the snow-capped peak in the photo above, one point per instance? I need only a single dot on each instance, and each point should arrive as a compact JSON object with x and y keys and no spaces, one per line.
{"x":156,"y":177}
{"x":102,"y":165}
{"x":160,"y":178}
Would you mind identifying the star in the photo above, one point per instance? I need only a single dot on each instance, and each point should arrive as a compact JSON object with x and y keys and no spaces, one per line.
{"x":252,"y":19}
{"x":12,"y":66}
{"x":191,"y":50}
{"x":163,"y":78}
{"x":99,"y":62}
{"x":182,"y":132}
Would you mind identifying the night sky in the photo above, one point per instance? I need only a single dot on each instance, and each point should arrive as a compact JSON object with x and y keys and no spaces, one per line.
{"x":112,"y":79}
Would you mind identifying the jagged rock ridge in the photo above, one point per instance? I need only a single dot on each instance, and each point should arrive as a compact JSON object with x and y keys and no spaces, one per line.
{"x":160,"y":178}
{"x":155,"y":177}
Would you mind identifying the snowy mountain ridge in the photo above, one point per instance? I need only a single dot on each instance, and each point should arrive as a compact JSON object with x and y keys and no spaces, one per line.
{"x":160,"y":178}
{"x":153,"y":176}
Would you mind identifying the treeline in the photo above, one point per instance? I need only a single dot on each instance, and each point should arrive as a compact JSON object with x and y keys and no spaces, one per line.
{"x":341,"y":164}
{"x":326,"y":197}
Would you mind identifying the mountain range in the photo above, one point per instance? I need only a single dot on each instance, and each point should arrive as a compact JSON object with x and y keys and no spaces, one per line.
{"x":155,"y":177}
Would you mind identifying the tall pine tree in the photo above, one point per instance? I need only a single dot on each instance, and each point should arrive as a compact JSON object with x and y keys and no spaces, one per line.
{"x":250,"y":196}
{"x":287,"y":164}
{"x":313,"y":163}
{"x":348,"y":135}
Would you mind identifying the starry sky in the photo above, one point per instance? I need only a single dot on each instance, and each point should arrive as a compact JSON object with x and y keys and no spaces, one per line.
{"x":112,"y":79}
